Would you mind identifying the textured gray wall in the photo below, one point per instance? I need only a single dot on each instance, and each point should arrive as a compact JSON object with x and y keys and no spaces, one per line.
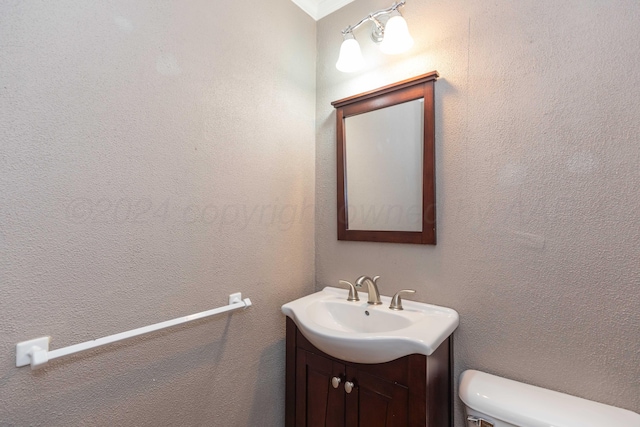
{"x":537,"y":178}
{"x":155,"y":156}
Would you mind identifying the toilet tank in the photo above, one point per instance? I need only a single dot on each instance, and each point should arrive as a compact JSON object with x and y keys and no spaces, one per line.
{"x":506,"y":402}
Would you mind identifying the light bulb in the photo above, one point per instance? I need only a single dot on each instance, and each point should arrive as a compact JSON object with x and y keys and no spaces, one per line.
{"x":350,"y":58}
{"x":396,"y":36}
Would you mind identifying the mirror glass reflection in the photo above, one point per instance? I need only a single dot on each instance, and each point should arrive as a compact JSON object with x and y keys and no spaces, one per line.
{"x":384,"y":161}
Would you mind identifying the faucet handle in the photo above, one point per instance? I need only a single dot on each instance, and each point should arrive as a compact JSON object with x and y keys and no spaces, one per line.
{"x":396,"y":301}
{"x":353,"y":294}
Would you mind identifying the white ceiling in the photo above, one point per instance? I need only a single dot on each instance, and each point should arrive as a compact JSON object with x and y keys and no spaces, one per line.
{"x":320,"y":8}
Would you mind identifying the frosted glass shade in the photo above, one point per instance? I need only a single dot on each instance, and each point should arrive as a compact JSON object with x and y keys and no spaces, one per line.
{"x":350,"y":58}
{"x":396,"y":36}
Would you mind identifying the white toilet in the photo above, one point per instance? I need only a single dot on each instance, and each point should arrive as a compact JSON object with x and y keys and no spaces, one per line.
{"x":493,"y":401}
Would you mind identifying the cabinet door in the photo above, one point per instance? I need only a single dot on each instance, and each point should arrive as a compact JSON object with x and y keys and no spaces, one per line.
{"x":376,"y":402}
{"x":318,"y":403}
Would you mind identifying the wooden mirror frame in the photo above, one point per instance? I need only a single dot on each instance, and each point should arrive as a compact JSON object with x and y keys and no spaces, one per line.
{"x":397,"y":93}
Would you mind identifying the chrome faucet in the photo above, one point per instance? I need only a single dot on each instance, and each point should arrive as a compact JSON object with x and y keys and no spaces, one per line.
{"x":372,"y":288}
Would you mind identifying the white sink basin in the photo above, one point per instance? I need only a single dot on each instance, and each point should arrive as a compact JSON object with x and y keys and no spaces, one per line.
{"x":363,"y":333}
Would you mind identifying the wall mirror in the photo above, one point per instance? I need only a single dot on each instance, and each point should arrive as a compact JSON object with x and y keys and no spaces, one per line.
{"x":386,"y":163}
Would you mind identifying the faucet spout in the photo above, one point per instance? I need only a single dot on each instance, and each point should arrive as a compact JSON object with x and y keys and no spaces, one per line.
{"x":372,"y":288}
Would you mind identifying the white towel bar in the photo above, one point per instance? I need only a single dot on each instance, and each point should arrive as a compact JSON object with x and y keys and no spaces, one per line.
{"x":36,"y":352}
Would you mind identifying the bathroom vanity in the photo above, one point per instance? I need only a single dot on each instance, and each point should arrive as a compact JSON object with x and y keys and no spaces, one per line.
{"x":321,"y":390}
{"x":384,"y":362}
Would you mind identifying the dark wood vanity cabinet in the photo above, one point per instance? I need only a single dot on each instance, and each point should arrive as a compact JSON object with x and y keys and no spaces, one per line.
{"x":408,"y":392}
{"x":373,"y":400}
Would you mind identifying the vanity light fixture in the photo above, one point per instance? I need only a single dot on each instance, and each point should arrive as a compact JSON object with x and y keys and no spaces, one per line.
{"x":389,"y":30}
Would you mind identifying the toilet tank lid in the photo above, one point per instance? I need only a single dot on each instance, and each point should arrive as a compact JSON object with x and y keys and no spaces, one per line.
{"x":526,"y":405}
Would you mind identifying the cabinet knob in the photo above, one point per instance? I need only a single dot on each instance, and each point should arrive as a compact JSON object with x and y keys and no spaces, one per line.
{"x":335,"y":382}
{"x":348,"y":386}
